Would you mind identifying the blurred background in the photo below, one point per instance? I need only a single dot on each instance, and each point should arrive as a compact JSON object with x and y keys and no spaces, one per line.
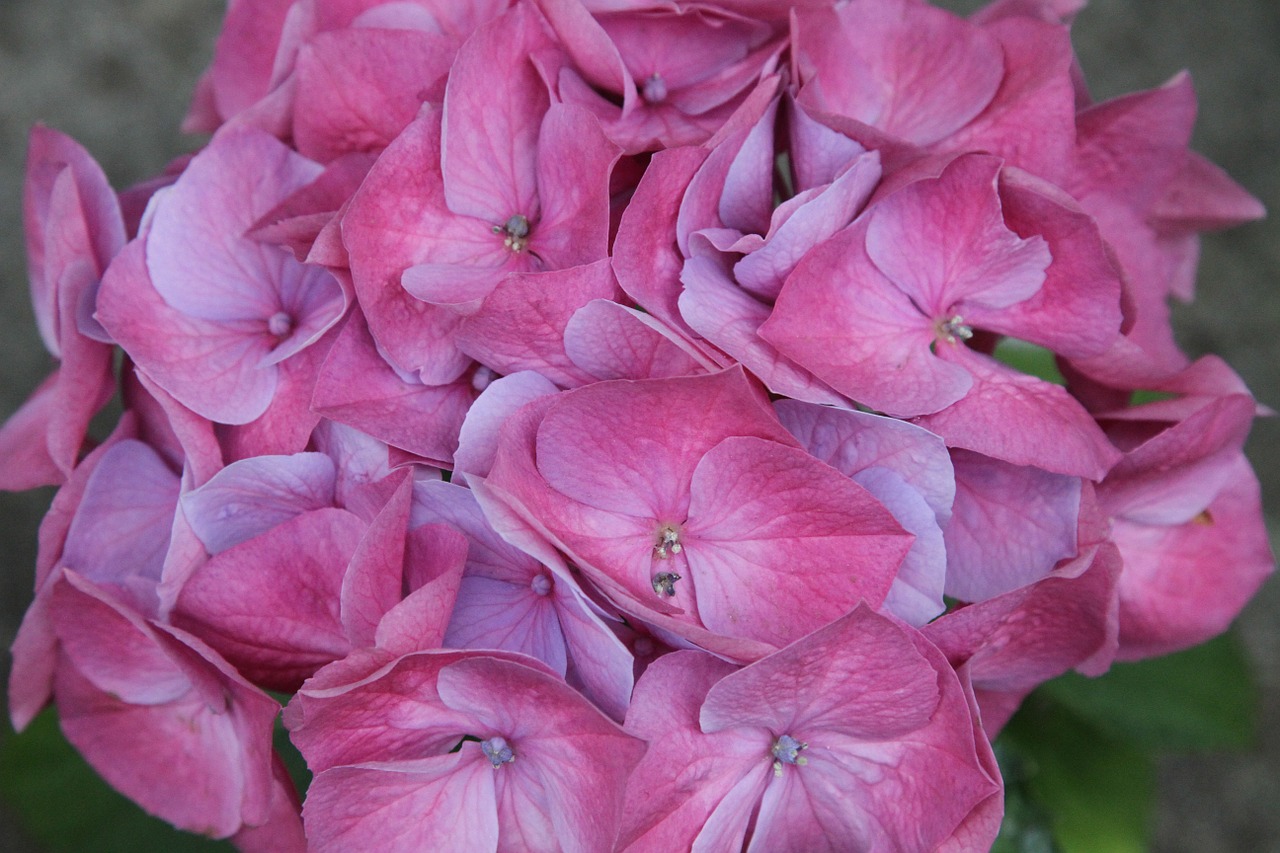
{"x":116,"y":75}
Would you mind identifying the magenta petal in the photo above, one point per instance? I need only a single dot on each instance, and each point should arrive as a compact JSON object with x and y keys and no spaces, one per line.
{"x":436,"y":556}
{"x":491,"y":132}
{"x":839,"y":317}
{"x":778,"y":544}
{"x":359,"y":87}
{"x":944,"y":242}
{"x":904,"y":67}
{"x":373,"y":583}
{"x":664,"y":814}
{"x":1021,"y":419}
{"x":521,"y":325}
{"x":577,"y":448}
{"x":357,"y":386}
{"x":1183,"y":584}
{"x":270,"y":605}
{"x":611,"y":341}
{"x":380,"y":805}
{"x":208,"y":731}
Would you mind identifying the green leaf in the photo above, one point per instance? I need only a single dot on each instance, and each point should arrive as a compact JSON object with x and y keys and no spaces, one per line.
{"x":1030,"y":359}
{"x":1203,"y":698}
{"x":66,"y":806}
{"x":1096,"y":790}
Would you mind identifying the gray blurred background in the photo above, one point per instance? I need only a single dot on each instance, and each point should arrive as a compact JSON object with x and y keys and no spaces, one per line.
{"x":116,"y":75}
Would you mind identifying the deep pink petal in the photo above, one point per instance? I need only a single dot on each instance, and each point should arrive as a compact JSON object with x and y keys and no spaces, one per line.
{"x":779,"y":544}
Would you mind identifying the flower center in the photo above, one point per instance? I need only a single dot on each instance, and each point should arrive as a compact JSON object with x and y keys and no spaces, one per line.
{"x":280,"y":324}
{"x":653,"y":89}
{"x":541,"y":584}
{"x":786,"y":750}
{"x":517,"y":230}
{"x":668,"y":542}
{"x":954,"y":327}
{"x":664,"y":583}
{"x":497,"y":751}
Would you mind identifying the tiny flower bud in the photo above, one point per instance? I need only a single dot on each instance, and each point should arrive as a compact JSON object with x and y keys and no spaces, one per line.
{"x":654,"y":89}
{"x":496,"y":750}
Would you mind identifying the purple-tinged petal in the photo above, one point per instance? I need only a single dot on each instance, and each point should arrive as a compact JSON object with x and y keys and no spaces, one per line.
{"x":251,"y":496}
{"x":730,"y":318}
{"x":478,"y":439}
{"x":1034,"y":513}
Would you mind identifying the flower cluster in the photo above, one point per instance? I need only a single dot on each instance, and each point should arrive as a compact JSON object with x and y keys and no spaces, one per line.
{"x":598,"y":416}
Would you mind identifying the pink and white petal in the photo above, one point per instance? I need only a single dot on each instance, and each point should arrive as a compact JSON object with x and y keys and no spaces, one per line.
{"x":1172,"y":477}
{"x":600,"y":664}
{"x":916,"y":594}
{"x":198,"y":258}
{"x":286,"y":425}
{"x":121,"y":529}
